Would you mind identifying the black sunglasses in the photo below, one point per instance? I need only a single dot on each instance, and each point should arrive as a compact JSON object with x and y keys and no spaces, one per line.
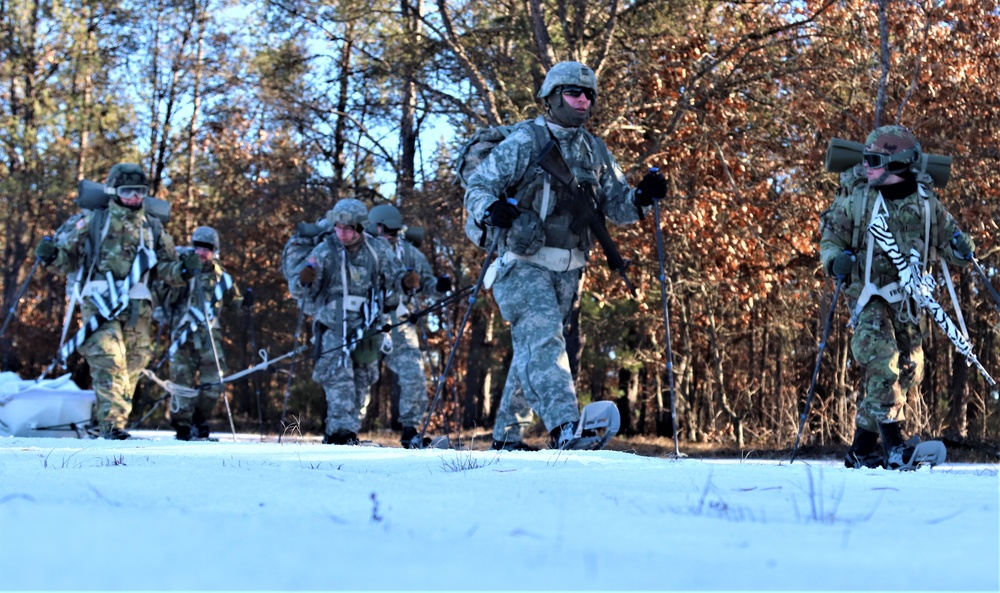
{"x":576,"y":91}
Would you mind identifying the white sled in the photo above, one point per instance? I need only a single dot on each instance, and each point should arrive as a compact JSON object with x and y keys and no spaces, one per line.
{"x":49,"y":408}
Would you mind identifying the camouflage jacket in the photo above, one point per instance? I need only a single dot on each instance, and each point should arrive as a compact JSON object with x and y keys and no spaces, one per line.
{"x":126,"y":228}
{"x":509,"y":165}
{"x":372,"y":272}
{"x":411,"y":258}
{"x":218,"y":292}
{"x":907,"y":223}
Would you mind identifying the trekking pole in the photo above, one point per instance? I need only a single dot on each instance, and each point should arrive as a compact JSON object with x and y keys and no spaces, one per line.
{"x":19,"y":296}
{"x":986,"y":281}
{"x":215,"y":353}
{"x":291,"y":369}
{"x":253,"y":348}
{"x":819,"y":359}
{"x":443,"y":378}
{"x":666,"y":323}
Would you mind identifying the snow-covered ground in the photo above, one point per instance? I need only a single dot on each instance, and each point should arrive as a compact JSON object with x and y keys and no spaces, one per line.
{"x":166,"y":515}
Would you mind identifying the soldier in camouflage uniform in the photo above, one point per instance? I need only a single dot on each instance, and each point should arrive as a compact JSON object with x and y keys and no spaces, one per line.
{"x":196,"y":354}
{"x":406,"y":359}
{"x":888,"y":325}
{"x":347,"y":277}
{"x":120,"y":347}
{"x":541,"y":257}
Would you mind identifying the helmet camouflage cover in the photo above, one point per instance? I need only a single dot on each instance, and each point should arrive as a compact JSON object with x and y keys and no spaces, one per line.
{"x":896,"y":141}
{"x":207,"y":236}
{"x":348,"y":211}
{"x":386,"y":215}
{"x":568,"y":74}
{"x":124,"y":174}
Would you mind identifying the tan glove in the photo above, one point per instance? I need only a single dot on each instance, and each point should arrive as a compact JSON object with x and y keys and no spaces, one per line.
{"x":411,"y":280}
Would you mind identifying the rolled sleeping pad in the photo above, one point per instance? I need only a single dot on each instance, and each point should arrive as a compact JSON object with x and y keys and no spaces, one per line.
{"x":93,"y":196}
{"x":841,"y":155}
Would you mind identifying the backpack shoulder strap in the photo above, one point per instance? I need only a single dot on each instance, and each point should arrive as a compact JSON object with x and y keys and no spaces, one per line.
{"x":99,"y":222}
{"x":859,"y":202}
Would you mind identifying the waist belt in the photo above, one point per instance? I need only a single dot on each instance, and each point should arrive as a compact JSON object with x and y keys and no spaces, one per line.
{"x":100,"y":287}
{"x":553,"y":258}
{"x":350,"y":303}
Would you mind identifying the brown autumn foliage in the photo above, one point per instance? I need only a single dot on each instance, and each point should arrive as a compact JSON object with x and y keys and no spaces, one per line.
{"x":734,"y":102}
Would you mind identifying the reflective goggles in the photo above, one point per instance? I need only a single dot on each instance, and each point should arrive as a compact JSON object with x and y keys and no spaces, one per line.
{"x":128,"y":191}
{"x":576,"y":91}
{"x":878,"y":160}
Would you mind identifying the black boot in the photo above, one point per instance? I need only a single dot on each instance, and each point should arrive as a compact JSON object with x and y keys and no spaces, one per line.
{"x":115,"y":434}
{"x":507,"y":445}
{"x":183,"y":433}
{"x":411,"y":439}
{"x":897,"y":451}
{"x":201,"y":432}
{"x":864,"y":451}
{"x":341,"y":438}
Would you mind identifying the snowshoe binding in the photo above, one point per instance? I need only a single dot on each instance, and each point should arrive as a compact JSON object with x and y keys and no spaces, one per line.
{"x":598,"y":423}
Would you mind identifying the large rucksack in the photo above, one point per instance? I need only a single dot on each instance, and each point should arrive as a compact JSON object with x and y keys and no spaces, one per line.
{"x":474,"y":152}
{"x":304,"y":239}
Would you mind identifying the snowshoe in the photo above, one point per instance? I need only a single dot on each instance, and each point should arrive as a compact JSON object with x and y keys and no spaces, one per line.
{"x":599,"y":422}
{"x":910,"y":457}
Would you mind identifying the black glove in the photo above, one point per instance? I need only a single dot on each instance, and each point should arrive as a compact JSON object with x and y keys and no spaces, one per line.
{"x":307,"y":276}
{"x":190,"y":265}
{"x":652,"y":187}
{"x":961,"y":244}
{"x":46,"y":250}
{"x":843,"y":264}
{"x":248,"y":298}
{"x":443,"y":284}
{"x":501,"y":214}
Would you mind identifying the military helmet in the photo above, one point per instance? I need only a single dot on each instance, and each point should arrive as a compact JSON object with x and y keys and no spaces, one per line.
{"x":205,"y":236}
{"x":348,"y":211}
{"x":893,"y":147}
{"x":386,"y":215}
{"x":568,"y":74}
{"x":124,"y":174}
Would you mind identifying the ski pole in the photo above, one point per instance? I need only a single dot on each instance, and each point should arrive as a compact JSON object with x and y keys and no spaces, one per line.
{"x":248,"y":301}
{"x":986,"y":281}
{"x":443,"y":378}
{"x":19,"y":296}
{"x":666,"y":322}
{"x":291,"y":368}
{"x":819,"y":359}
{"x":215,"y":354}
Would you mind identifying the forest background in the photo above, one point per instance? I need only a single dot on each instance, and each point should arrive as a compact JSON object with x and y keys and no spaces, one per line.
{"x":253,"y":116}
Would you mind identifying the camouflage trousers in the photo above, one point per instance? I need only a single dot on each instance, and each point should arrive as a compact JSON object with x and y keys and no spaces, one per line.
{"x":407,"y":362}
{"x":116,"y":353}
{"x":537,"y":302}
{"x":345,"y":383}
{"x":891,"y":355}
{"x":513,"y":413}
{"x":191,"y":364}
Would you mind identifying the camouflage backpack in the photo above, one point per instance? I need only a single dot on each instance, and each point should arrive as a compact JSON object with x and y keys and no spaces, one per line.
{"x":475,"y":151}
{"x":303,"y":240}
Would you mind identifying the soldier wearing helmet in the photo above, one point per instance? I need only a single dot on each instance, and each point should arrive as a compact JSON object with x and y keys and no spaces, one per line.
{"x":108,"y":249}
{"x":887,"y":340}
{"x":193,"y":312}
{"x":348,"y":277}
{"x":405,"y":360}
{"x":544,"y":250}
